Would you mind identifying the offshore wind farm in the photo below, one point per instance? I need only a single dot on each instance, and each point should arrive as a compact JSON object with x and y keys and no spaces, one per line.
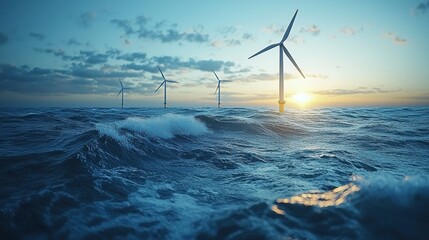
{"x":121,"y":121}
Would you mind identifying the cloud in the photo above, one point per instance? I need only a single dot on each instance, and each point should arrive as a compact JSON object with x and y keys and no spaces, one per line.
{"x":395,"y":39}
{"x":37,"y":36}
{"x":421,"y":8}
{"x":350,"y":31}
{"x":124,"y":25}
{"x":316,"y":76}
{"x":86,"y":19}
{"x":78,"y":79}
{"x":86,"y":57}
{"x":73,"y":41}
{"x":248,"y":36}
{"x":259,"y":77}
{"x":313,"y":29}
{"x":217,"y":44}
{"x":58,"y":53}
{"x":202,"y":65}
{"x":143,"y":30}
{"x":137,"y":61}
{"x":360,"y":90}
{"x":225,"y":31}
{"x":296,"y":40}
{"x":131,"y":57}
{"x":3,"y":38}
{"x":274,"y":29}
{"x":91,"y":58}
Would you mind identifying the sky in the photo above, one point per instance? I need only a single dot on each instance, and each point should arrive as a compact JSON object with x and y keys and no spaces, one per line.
{"x":73,"y":53}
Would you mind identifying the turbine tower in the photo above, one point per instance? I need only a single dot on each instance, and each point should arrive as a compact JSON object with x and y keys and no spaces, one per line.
{"x":282,"y":49}
{"x":165,"y":86}
{"x":218,"y":88}
{"x":121,"y":91}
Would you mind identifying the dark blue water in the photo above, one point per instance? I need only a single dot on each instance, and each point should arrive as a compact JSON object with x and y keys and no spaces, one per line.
{"x":357,"y":173}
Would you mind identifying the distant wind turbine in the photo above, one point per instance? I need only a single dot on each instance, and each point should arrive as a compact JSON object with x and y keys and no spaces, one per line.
{"x":165,"y":86}
{"x":282,"y":49}
{"x":121,"y":91}
{"x":218,"y":88}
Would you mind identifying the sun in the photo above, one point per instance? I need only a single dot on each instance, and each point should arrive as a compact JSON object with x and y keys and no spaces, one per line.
{"x":301,"y":98}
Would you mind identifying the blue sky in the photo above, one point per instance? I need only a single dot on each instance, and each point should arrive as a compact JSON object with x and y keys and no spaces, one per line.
{"x":72,"y":53}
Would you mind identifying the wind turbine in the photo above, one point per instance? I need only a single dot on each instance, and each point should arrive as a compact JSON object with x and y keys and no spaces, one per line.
{"x":282,"y":49}
{"x":165,"y":86}
{"x":218,"y":88}
{"x":121,"y":91}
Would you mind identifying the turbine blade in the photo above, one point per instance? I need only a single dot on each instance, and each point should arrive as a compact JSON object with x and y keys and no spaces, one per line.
{"x":119,"y":92}
{"x":291,"y":59}
{"x":121,"y":84}
{"x":265,"y":49}
{"x":289,"y":28}
{"x":172,"y":81}
{"x":226,"y":80}
{"x":161,"y":72}
{"x":159,"y":86}
{"x":218,"y":85}
{"x":215,"y":75}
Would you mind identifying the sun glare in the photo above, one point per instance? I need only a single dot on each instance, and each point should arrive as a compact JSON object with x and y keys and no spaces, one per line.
{"x":301,"y":98}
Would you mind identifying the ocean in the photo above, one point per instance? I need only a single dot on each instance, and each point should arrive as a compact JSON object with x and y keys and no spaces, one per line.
{"x":207,"y":173}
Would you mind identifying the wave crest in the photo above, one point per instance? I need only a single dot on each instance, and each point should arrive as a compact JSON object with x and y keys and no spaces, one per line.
{"x":166,"y":126}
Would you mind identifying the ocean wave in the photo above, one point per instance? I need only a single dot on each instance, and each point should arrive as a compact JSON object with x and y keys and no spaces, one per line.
{"x":214,"y":174}
{"x":379,"y":207}
{"x":166,"y":126}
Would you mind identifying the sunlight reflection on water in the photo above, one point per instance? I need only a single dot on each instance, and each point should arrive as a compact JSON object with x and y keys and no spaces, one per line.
{"x":334,"y":197}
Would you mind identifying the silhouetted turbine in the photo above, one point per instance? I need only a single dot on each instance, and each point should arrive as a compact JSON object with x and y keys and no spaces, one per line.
{"x":121,"y":91}
{"x":165,"y":86}
{"x":218,"y":88}
{"x":282,"y":49}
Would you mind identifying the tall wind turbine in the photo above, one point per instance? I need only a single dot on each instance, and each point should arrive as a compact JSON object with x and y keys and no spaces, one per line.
{"x":121,"y":91}
{"x":282,"y":49}
{"x":165,"y":86}
{"x":218,"y":88}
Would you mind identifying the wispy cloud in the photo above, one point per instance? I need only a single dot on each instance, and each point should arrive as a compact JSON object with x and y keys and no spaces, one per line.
{"x":350,"y":31}
{"x":421,"y":8}
{"x":124,"y":25}
{"x":231,"y":36}
{"x":157,"y":31}
{"x":313,"y":29}
{"x":274,"y":29}
{"x":360,"y":90}
{"x":225,"y":31}
{"x":395,"y":39}
{"x":296,"y":39}
{"x":73,"y":41}
{"x":316,"y":76}
{"x":51,"y":81}
{"x":3,"y":38}
{"x":86,"y":19}
{"x":37,"y":36}
{"x":131,"y":57}
{"x":248,"y":36}
{"x":137,"y":61}
{"x":260,"y":77}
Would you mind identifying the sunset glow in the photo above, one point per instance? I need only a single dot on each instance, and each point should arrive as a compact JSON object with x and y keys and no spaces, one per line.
{"x":301,"y":98}
{"x":74,"y":53}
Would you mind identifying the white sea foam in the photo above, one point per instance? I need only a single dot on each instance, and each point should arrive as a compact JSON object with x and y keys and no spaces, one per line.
{"x":165,"y":126}
{"x":111,"y":130}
